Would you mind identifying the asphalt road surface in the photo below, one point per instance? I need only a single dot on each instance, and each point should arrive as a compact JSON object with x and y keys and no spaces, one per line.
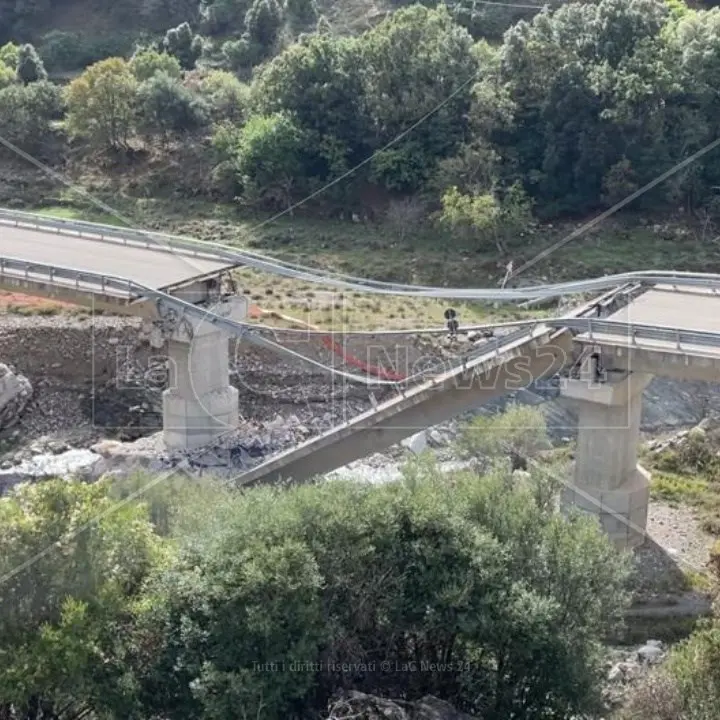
{"x":155,"y":269}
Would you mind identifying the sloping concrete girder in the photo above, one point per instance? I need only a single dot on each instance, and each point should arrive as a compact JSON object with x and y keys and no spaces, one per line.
{"x":429,"y":404}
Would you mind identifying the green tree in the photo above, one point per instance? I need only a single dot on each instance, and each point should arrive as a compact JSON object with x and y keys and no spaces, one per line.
{"x":26,"y":113}
{"x":165,"y":107}
{"x":270,"y":158}
{"x":415,"y":62}
{"x":101,"y":103}
{"x":227,"y":97}
{"x":9,"y":55}
{"x":70,"y":570}
{"x":320,"y":83}
{"x":184,"y":45}
{"x":483,"y":217}
{"x":262,"y":23}
{"x":146,"y":62}
{"x":30,"y":67}
{"x":462,"y":570}
{"x":586,"y":86}
{"x":241,"y":54}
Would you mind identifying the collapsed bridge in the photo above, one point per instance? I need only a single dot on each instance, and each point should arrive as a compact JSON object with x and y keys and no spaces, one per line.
{"x":646,"y":323}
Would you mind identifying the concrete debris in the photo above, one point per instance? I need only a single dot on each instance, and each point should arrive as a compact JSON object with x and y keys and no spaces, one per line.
{"x":417,"y":443}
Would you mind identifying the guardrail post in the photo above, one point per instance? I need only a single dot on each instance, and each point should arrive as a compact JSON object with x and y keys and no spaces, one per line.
{"x":590,"y":328}
{"x":677,"y":339}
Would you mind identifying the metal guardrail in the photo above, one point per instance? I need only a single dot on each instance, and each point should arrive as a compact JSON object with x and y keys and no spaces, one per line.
{"x":163,"y":242}
{"x":592,"y":325}
{"x":677,"y":337}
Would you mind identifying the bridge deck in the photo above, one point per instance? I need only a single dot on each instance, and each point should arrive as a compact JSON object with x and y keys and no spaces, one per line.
{"x":687,"y":309}
{"x":155,"y":269}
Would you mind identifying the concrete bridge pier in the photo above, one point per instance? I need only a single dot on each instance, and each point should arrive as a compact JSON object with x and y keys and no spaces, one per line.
{"x":199,"y":405}
{"x":609,"y":483}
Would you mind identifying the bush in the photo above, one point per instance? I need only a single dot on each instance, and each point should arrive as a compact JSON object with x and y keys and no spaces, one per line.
{"x":270,"y":157}
{"x":221,"y":16}
{"x":62,"y":50}
{"x":26,"y":112}
{"x":656,"y":698}
{"x":165,"y":107}
{"x":262,"y":23}
{"x":694,"y":455}
{"x":518,"y":433}
{"x":227,"y":97}
{"x":241,"y":54}
{"x":146,"y":62}
{"x":695,"y":667}
{"x":9,"y":55}
{"x":184,"y":45}
{"x":73,"y":563}
{"x":459,"y":570}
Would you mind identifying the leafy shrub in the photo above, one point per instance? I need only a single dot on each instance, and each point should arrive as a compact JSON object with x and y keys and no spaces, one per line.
{"x":164,"y":106}
{"x":675,"y":488}
{"x":9,"y":55}
{"x":7,"y":76}
{"x":695,"y":667}
{"x":147,"y":62}
{"x":72,"y":565}
{"x":519,"y":432}
{"x":26,"y":112}
{"x":657,"y":697}
{"x":694,"y":455}
{"x":262,"y":23}
{"x":184,"y":45}
{"x":221,"y":16}
{"x":227,"y":96}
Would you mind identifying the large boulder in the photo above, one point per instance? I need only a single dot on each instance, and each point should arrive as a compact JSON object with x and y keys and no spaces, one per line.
{"x":15,"y":393}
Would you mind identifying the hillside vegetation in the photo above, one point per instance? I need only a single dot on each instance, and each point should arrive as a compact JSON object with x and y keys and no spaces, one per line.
{"x":432,"y":118}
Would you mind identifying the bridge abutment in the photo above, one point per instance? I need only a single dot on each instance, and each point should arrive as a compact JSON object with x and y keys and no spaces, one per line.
{"x":608,"y":481}
{"x":199,"y":405}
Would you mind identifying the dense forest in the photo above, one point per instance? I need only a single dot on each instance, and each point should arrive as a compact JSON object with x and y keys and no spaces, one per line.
{"x":570,"y":110}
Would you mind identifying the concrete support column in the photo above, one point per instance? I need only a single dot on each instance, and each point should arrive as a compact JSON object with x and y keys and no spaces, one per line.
{"x":609,"y":483}
{"x":199,"y":405}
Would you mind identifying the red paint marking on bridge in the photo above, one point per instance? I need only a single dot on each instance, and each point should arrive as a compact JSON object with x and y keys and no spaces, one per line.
{"x":335,"y":347}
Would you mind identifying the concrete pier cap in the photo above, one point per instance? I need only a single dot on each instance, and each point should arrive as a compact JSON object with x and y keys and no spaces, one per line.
{"x":199,"y":405}
{"x":607,"y":481}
